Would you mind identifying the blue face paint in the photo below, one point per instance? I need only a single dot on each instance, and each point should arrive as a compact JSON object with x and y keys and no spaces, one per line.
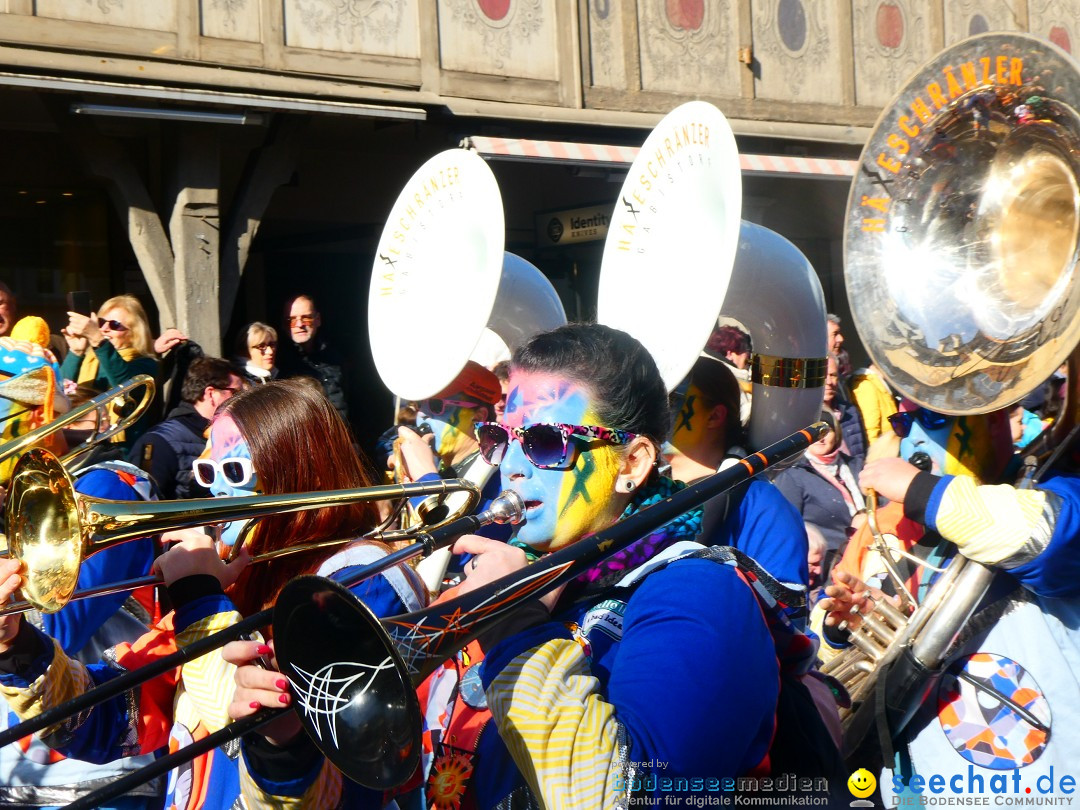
{"x":561,"y":505}
{"x":226,"y":442}
{"x":932,"y":442}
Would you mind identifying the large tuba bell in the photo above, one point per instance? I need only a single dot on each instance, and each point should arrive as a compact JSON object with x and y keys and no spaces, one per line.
{"x":960,"y":260}
{"x":443,"y":291}
{"x":678,"y":256}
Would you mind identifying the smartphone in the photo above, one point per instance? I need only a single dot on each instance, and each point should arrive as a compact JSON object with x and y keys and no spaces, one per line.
{"x":79,"y":301}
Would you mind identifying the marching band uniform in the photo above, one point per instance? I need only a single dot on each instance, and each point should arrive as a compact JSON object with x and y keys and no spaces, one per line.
{"x":1022,"y":649}
{"x":31,"y":774}
{"x":601,"y":641}
{"x":172,"y":710}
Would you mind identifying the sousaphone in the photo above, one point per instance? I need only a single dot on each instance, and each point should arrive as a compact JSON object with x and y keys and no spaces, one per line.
{"x":960,"y":258}
{"x":443,"y":291}
{"x":678,"y":256}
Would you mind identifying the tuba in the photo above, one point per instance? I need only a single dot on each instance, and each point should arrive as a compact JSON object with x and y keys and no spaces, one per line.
{"x":960,"y":256}
{"x":679,"y":210}
{"x":444,"y":292}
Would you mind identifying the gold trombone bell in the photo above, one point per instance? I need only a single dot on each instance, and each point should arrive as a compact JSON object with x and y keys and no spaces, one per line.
{"x":52,"y":528}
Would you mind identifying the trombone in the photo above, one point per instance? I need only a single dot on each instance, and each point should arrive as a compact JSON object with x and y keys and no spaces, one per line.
{"x":17,"y":445}
{"x":372,"y":732}
{"x":52,"y":528}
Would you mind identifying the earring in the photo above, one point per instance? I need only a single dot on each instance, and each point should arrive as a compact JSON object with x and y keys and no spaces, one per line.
{"x":629,"y":486}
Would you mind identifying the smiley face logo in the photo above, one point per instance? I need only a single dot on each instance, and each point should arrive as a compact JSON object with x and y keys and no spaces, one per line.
{"x":861,"y":783}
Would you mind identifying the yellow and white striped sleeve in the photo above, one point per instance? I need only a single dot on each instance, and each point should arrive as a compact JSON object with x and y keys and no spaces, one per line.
{"x":995,"y":525}
{"x":64,"y":679}
{"x":563,"y":737}
{"x":208,"y":679}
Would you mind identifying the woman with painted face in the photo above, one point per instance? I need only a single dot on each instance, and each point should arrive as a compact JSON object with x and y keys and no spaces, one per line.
{"x":261,"y":441}
{"x":651,"y":670}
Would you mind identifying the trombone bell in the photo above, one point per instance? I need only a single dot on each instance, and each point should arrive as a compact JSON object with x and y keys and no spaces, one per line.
{"x":42,"y":517}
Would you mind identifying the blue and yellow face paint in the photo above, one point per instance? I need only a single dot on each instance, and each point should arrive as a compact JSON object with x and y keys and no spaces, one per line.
{"x":562,"y":505}
{"x":452,"y":429}
{"x":691,"y":421}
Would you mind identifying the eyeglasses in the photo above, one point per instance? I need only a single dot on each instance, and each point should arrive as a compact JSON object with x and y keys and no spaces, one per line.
{"x":114,"y":325}
{"x":902,"y":422}
{"x":306,"y":320}
{"x":235,"y":471}
{"x":262,"y":347}
{"x":545,"y":445}
{"x":438,"y":406}
{"x":230,"y":389}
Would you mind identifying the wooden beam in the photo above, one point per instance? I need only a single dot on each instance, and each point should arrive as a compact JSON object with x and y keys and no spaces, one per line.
{"x":128,"y":192}
{"x":195,"y":228}
{"x":269,"y":167}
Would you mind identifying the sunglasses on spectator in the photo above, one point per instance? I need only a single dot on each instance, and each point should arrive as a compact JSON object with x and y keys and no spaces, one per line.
{"x":437,"y":406}
{"x":262,"y":347}
{"x":306,"y":320}
{"x":114,"y":325}
{"x":234,"y":471}
{"x":546,"y":446}
{"x":902,"y":422}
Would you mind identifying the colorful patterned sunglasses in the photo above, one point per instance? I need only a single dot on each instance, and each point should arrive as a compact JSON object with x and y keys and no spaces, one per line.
{"x":546,"y":445}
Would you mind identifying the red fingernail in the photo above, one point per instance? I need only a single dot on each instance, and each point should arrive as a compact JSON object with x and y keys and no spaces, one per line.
{"x":262,"y":649}
{"x":282,"y":684}
{"x":283,"y":698}
{"x":254,"y":704}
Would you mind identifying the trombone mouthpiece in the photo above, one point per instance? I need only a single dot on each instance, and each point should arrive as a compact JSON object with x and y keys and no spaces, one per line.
{"x":507,"y":508}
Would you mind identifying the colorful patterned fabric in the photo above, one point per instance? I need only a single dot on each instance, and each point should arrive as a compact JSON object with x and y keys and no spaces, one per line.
{"x":993,"y":712}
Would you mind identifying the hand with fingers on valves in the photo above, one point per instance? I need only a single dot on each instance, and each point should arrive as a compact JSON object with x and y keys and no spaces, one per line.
{"x":848,"y":599}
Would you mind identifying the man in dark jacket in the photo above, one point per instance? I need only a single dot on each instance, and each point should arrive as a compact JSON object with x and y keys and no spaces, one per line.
{"x":309,"y":355}
{"x":166,"y":451}
{"x":852,"y":432}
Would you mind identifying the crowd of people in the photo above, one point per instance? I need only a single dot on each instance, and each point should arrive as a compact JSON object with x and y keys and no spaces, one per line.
{"x":688,"y":663}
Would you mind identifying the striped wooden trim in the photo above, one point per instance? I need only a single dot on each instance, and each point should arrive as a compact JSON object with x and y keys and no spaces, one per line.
{"x":609,"y":154}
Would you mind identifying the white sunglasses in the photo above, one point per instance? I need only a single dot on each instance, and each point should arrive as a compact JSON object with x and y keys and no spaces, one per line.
{"x":235,"y":471}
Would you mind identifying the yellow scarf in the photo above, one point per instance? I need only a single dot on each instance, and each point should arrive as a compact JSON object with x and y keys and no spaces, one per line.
{"x":88,"y":372}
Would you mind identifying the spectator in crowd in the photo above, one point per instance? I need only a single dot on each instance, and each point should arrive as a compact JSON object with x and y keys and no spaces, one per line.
{"x":836,"y":345}
{"x":177,"y":352}
{"x":875,"y":401}
{"x":815,"y":562}
{"x":7,"y":309}
{"x":166,"y":451}
{"x":852,"y":434}
{"x":823,"y":486}
{"x":308,"y":353}
{"x":110,"y":347}
{"x":256,"y":351}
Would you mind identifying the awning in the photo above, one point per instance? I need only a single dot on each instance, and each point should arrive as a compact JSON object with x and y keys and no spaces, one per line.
{"x":620,"y":157}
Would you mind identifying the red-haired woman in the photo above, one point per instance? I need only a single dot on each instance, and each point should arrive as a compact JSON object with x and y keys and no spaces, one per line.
{"x":262,"y":442}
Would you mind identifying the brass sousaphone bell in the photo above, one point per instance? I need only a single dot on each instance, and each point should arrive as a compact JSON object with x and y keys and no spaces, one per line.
{"x":960,"y":258}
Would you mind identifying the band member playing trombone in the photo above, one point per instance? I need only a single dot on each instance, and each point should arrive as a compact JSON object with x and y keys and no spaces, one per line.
{"x":638,"y":661}
{"x":261,"y":442}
